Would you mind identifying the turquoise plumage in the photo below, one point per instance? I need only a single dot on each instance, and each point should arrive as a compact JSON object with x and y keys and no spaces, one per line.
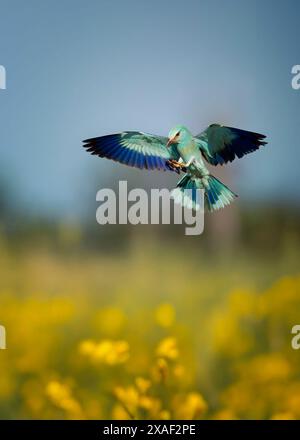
{"x":182,"y":152}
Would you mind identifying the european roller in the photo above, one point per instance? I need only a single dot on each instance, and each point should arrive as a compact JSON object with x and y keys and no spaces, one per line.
{"x":182,"y":152}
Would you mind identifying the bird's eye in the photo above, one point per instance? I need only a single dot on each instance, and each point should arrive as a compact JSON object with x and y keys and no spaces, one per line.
{"x":178,"y":133}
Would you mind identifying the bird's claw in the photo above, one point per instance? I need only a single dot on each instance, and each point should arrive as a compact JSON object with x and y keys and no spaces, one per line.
{"x":177,"y":166}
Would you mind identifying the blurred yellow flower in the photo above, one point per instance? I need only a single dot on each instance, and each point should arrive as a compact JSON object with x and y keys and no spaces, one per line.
{"x":120,"y":413}
{"x":60,"y":394}
{"x":150,"y":404}
{"x":165,"y":415}
{"x":167,"y":348}
{"x":190,"y":407}
{"x":129,"y":398}
{"x":142,"y":384}
{"x":105,"y":351}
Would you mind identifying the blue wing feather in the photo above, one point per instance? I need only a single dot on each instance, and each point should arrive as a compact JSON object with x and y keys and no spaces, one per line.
{"x":134,"y":148}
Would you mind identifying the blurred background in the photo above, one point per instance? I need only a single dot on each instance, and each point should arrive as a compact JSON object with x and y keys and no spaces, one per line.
{"x":143,"y":321}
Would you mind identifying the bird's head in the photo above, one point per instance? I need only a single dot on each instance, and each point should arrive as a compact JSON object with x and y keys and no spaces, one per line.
{"x":177,"y":134}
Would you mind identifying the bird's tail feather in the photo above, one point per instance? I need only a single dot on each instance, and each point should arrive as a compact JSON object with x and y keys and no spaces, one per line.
{"x":216,"y":194}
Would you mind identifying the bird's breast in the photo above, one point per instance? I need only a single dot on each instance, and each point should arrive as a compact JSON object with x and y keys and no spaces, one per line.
{"x":188,"y":150}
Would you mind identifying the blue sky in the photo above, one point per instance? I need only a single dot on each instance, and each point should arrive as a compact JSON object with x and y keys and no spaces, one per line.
{"x":77,"y":69}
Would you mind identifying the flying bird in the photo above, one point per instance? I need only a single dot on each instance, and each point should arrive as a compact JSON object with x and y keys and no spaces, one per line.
{"x":182,"y":152}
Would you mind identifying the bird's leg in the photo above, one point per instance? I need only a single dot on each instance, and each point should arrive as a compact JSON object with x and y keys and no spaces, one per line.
{"x":177,"y":164}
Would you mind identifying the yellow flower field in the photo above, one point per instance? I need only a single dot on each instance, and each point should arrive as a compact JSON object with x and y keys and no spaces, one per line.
{"x":155,"y":335}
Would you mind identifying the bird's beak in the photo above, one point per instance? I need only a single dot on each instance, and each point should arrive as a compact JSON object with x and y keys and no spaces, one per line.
{"x":170,"y":141}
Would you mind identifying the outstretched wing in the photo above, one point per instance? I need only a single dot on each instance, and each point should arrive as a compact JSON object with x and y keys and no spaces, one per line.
{"x":135,"y":149}
{"x":220,"y":144}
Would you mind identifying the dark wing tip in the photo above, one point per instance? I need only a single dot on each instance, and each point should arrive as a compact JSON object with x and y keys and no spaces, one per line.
{"x":90,"y":146}
{"x":259,"y":139}
{"x":86,"y":141}
{"x":99,"y":139}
